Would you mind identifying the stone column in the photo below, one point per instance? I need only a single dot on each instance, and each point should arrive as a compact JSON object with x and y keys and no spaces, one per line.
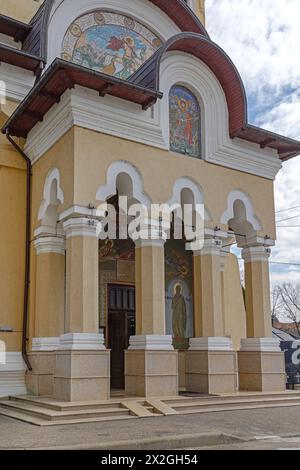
{"x":210,"y":361}
{"x":82,"y":362}
{"x":260,"y":360}
{"x":49,"y":310}
{"x":151,"y":364}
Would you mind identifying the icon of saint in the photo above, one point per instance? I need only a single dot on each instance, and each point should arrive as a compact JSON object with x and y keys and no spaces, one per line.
{"x":179,"y":313}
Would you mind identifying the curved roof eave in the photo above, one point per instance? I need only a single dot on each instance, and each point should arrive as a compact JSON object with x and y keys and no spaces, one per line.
{"x":216,"y":59}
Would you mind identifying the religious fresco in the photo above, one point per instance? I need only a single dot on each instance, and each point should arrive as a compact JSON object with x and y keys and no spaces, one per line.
{"x":184,"y":122}
{"x":110,"y":43}
{"x":179,"y":293}
{"x":116,"y":265}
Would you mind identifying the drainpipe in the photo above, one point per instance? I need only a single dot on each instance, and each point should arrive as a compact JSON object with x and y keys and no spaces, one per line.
{"x":27,"y":249}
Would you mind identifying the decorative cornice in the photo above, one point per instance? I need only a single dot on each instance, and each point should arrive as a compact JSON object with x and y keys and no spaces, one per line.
{"x":45,"y":344}
{"x":44,"y":245}
{"x":81,"y":227}
{"x":256,"y":254}
{"x":260,"y":345}
{"x":151,"y":343}
{"x":211,"y":344}
{"x":81,"y":342}
{"x":18,"y":82}
{"x":211,"y":247}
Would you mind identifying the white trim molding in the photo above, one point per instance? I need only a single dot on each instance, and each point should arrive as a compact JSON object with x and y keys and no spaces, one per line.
{"x":260,"y":345}
{"x":12,"y":375}
{"x":44,"y":245}
{"x":82,"y":227}
{"x":211,"y":344}
{"x":211,"y":247}
{"x":110,"y":188}
{"x":151,"y":343}
{"x":238,"y":195}
{"x":45,"y":344}
{"x":81,"y":342}
{"x":17,"y":81}
{"x":256,"y":254}
{"x":63,"y":13}
{"x":49,"y":198}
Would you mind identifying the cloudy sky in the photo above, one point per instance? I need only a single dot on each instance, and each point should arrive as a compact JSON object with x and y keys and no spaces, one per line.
{"x":262,"y":38}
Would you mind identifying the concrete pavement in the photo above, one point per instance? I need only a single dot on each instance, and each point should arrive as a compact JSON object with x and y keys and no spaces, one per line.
{"x":247,"y":426}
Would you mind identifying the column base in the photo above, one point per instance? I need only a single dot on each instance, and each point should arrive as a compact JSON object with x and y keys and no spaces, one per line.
{"x":82,"y":369}
{"x":151,"y":367}
{"x":39,"y":381}
{"x":12,"y":374}
{"x":261,"y":365}
{"x":82,"y":376}
{"x":211,"y":366}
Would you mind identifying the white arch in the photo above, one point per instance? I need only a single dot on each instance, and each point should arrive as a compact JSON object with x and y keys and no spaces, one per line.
{"x":110,"y":188}
{"x":49,"y":198}
{"x":238,"y":195}
{"x":187,"y":183}
{"x":64,"y":12}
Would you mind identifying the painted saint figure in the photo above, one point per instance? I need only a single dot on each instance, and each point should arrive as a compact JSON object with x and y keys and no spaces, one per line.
{"x":179,"y":313}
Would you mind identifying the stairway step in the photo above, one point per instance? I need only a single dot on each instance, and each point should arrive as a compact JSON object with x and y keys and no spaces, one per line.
{"x":41,"y":422}
{"x":230,"y":399}
{"x":199,"y":403}
{"x":50,"y":415}
{"x":64,"y":406}
{"x":196,"y":410}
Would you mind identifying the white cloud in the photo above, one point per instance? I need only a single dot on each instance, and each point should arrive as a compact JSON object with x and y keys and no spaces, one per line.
{"x":262,"y":38}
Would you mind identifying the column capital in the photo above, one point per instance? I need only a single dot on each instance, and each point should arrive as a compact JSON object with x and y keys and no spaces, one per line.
{"x":82,"y":227}
{"x":211,"y":246}
{"x":50,"y":244}
{"x":256,"y":253}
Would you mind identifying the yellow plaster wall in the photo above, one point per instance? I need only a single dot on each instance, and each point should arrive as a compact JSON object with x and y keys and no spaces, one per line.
{"x":22,"y":10}
{"x":12,"y":241}
{"x":94,"y":152}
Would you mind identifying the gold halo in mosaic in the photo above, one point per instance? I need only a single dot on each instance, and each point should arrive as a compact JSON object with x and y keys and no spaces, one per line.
{"x":129,"y":22}
{"x":99,"y":18}
{"x":66,"y":56}
{"x":75,"y":30}
{"x":156,"y":43}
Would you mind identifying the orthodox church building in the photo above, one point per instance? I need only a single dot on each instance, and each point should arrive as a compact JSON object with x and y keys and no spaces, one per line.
{"x":103,"y":99}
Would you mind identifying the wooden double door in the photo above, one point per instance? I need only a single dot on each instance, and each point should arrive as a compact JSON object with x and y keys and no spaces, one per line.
{"x":121,"y":325}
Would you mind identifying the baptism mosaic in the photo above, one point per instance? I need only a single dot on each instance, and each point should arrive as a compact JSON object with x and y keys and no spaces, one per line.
{"x":109,"y":42}
{"x":184,"y":122}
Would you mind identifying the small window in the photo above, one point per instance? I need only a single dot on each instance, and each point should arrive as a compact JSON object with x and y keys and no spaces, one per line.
{"x":185,"y":130}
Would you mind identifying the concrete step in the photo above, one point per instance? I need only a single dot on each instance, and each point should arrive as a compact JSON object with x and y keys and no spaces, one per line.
{"x":172,"y":402}
{"x":236,"y":407}
{"x":51,"y":404}
{"x":212,"y":402}
{"x":50,"y":415}
{"x":26,"y":418}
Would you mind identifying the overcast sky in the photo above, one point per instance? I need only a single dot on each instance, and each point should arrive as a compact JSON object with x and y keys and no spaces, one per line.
{"x":262,"y":38}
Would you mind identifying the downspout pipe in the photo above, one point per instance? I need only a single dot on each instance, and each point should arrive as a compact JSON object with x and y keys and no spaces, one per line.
{"x":27,"y":248}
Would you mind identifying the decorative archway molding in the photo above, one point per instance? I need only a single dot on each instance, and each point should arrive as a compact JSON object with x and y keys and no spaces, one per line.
{"x":187,"y":183}
{"x":49,"y":198}
{"x":110,"y":188}
{"x":238,"y":195}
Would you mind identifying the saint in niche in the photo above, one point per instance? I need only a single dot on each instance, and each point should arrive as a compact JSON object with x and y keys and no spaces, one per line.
{"x":179,"y":313}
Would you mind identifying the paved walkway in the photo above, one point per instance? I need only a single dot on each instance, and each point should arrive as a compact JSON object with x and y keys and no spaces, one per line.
{"x":252,"y":424}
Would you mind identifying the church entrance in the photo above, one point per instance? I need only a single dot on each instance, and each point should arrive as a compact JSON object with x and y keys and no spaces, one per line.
{"x":121,"y":325}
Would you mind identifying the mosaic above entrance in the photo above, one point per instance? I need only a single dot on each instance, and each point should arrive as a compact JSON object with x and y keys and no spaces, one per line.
{"x":110,"y":43}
